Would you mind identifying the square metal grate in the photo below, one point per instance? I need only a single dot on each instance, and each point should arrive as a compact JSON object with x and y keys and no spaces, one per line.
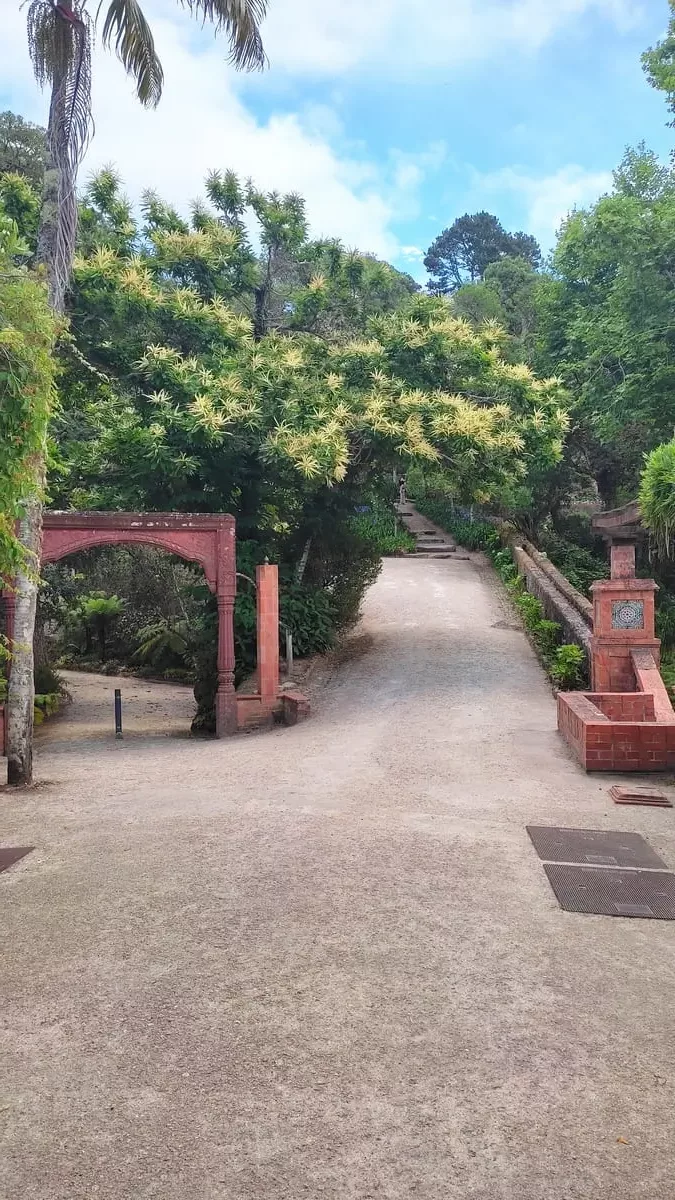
{"x":613,"y":893}
{"x":11,"y":854}
{"x":596,"y":847}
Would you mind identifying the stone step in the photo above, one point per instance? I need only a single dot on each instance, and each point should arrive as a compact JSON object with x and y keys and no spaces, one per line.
{"x":440,"y":554}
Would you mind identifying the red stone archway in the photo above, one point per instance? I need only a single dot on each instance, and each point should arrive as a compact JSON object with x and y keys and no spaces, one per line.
{"x":208,"y":539}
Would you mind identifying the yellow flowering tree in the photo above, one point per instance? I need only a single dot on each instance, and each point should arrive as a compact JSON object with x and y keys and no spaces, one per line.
{"x":188,"y":404}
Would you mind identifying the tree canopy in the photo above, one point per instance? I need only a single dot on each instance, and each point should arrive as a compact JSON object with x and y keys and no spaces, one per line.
{"x":659,"y":63}
{"x":463,"y":252}
{"x":22,"y":148}
{"x":606,"y":320}
{"x":173,"y":395}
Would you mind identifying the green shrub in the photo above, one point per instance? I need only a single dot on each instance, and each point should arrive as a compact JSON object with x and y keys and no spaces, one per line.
{"x":657,"y":496}
{"x":668,"y":672}
{"x":530,"y":609}
{"x":546,"y":637}
{"x":47,"y":681}
{"x":505,"y":565}
{"x":310,"y":616}
{"x":164,"y":645}
{"x":48,"y":704}
{"x":379,"y":529}
{"x":49,"y":692}
{"x":344,"y":566}
{"x":665,"y":621}
{"x":567,"y":667}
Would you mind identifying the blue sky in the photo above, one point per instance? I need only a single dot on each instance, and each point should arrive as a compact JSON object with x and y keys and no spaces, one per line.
{"x":391,"y":118}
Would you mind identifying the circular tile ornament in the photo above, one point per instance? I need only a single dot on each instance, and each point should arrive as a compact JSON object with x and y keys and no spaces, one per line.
{"x":628,"y":614}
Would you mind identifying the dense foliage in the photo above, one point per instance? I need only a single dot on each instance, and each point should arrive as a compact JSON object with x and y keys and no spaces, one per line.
{"x":22,"y":148}
{"x":657,"y":496}
{"x":283,"y":384}
{"x":224,"y":360}
{"x":27,"y":370}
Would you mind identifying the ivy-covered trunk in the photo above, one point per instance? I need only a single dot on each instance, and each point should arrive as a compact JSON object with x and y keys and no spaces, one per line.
{"x":52,"y":253}
{"x":21,"y":688}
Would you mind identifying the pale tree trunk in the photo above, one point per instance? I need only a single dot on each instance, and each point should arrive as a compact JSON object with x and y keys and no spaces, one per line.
{"x":21,"y":686}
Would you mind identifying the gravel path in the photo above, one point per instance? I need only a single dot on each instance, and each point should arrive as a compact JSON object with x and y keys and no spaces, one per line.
{"x":162,"y":709}
{"x":325,"y":961}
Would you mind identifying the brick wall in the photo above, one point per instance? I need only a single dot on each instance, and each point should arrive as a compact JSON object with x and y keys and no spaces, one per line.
{"x":624,"y":706}
{"x":603,"y":744}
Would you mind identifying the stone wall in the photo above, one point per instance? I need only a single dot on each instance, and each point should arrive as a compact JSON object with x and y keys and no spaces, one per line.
{"x":557,"y":606}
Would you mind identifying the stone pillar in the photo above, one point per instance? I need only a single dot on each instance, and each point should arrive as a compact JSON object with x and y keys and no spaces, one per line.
{"x":226,"y":701}
{"x":623,"y":620}
{"x":267,"y":581}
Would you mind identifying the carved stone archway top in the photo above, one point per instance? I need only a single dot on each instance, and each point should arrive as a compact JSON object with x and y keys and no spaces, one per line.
{"x":620,"y":524}
{"x":206,"y":538}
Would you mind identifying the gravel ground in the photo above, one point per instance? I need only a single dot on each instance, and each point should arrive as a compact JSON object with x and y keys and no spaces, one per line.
{"x":164,"y":709}
{"x":325,"y":961}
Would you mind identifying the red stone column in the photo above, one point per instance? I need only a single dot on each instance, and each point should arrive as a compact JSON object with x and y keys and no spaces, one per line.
{"x":622,"y":559}
{"x":267,"y":580}
{"x":226,"y":702}
{"x":623,"y":621}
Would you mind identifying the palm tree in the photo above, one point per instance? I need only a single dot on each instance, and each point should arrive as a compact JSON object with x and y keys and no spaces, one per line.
{"x":61,"y":34}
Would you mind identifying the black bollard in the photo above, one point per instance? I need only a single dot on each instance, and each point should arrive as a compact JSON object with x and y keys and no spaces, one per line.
{"x":118,"y":713}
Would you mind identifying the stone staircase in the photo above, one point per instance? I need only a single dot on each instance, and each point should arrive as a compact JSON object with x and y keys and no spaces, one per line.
{"x":431,"y":541}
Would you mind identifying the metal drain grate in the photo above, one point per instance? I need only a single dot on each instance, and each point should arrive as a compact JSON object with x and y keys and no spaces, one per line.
{"x":597,"y":847}
{"x":613,"y":893}
{"x":11,"y":854}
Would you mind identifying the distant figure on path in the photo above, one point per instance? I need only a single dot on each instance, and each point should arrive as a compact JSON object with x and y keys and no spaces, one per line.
{"x":402,"y":498}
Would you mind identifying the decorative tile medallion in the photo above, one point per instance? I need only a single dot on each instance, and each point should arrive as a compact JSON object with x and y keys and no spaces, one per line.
{"x":628,"y":614}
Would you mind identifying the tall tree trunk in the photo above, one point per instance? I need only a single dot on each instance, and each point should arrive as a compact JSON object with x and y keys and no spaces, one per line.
{"x":21,"y":687}
{"x":52,"y":253}
{"x":262,"y":294}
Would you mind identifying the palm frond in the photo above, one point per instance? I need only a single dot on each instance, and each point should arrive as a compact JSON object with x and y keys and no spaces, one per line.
{"x":126,"y":29}
{"x":240,"y":19}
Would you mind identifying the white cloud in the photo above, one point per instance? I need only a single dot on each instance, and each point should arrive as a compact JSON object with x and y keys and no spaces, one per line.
{"x":203,"y":120}
{"x":547,"y":198}
{"x":394,"y":37}
{"x":202,"y":123}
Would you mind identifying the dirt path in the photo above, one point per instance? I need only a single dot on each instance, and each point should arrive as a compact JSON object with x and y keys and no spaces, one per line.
{"x":162,"y":709}
{"x":325,"y":961}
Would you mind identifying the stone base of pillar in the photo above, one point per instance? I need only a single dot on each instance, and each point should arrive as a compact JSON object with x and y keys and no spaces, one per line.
{"x":226,"y":714}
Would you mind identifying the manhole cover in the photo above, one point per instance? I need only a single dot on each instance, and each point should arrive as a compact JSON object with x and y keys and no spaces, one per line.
{"x":11,"y":854}
{"x":613,"y":893}
{"x":598,"y":847}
